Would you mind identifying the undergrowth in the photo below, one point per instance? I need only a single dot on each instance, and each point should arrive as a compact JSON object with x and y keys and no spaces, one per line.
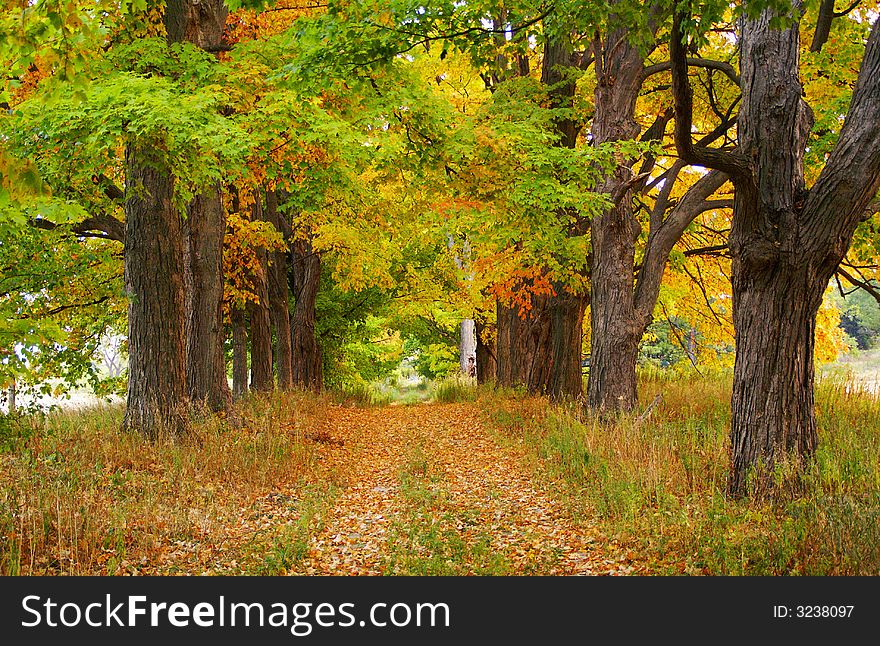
{"x":80,"y":496}
{"x":659,"y":484}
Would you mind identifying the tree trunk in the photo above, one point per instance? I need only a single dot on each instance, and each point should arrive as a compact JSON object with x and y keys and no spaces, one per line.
{"x":775,"y":299}
{"x":485,"y":354}
{"x":155,"y":262}
{"x":615,"y":332}
{"x":506,"y":341}
{"x":467,"y":348}
{"x":567,"y":325}
{"x":524,"y":346}
{"x":772,"y":405}
{"x":201,"y":22}
{"x":154,"y":279}
{"x":542,"y":349}
{"x":10,"y":398}
{"x":560,"y":345}
{"x":262,"y":378}
{"x":305,"y":277}
{"x":239,"y":354}
{"x":206,"y":379}
{"x":279,"y":300}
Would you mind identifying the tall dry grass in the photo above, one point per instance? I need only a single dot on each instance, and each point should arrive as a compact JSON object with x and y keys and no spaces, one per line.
{"x":80,"y":496}
{"x":659,"y":485}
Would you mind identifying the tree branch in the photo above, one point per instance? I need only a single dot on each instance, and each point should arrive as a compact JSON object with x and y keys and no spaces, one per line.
{"x":662,"y":238}
{"x":109,"y":228}
{"x":730,"y":162}
{"x":721,"y":66}
{"x":850,"y":179}
{"x":61,"y":308}
{"x":111,"y":190}
{"x":861,"y":284}
{"x":714,"y":250}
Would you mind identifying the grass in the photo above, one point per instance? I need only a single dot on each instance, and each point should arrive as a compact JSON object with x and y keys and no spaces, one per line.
{"x":406,"y":392}
{"x":433,"y":537}
{"x":360,"y":395}
{"x":80,"y":496}
{"x":659,"y":486}
{"x":456,"y":388}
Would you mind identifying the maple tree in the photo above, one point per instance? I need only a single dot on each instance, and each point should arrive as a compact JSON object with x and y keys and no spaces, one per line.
{"x":786,"y":241}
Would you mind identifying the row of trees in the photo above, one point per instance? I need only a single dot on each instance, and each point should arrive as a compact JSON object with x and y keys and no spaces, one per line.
{"x":526,"y":162}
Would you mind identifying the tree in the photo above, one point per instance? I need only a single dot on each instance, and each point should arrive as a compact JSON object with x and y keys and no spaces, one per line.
{"x":279,"y":296}
{"x":623,"y":294}
{"x":202,"y":24}
{"x":305,"y":278}
{"x":174,"y":270}
{"x":786,"y":240}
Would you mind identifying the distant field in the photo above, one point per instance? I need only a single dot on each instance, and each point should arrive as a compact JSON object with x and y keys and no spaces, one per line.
{"x":863,"y":367}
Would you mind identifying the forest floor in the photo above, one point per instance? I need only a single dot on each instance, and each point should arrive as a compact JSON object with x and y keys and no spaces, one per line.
{"x":422,"y":489}
{"x":494,"y":482}
{"x":427,"y":490}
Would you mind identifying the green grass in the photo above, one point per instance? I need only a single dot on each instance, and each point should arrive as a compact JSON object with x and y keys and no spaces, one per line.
{"x":434,"y":537}
{"x":456,"y":388}
{"x":659,"y":486}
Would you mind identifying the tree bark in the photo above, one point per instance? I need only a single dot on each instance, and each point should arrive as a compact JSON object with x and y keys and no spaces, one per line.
{"x":305,"y":277}
{"x":239,"y":354}
{"x":206,"y":379}
{"x":506,"y":342}
{"x":772,"y":405}
{"x":262,"y":378}
{"x":279,"y":300}
{"x":485,"y":354}
{"x":200,"y":22}
{"x":154,"y":276}
{"x":774,"y":303}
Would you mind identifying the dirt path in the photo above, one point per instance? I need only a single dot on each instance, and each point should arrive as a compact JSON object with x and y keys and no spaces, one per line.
{"x":426,"y":490}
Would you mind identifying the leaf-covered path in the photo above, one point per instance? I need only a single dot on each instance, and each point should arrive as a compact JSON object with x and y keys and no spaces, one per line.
{"x":426,"y":490}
